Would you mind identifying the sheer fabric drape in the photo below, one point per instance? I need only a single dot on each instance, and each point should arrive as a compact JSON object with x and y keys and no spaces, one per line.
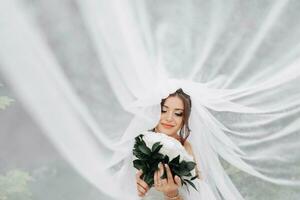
{"x":239,"y":62}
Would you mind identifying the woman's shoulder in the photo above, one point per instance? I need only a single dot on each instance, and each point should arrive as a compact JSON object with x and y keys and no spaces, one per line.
{"x":188,"y":147}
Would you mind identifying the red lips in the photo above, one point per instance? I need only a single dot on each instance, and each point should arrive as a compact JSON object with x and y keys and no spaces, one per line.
{"x":167,"y":125}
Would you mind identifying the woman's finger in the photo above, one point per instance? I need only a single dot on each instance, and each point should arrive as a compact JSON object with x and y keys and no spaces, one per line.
{"x":141,"y":189}
{"x":140,"y":181}
{"x":143,"y":184}
{"x":155,"y":179}
{"x":141,"y":194}
{"x":138,"y":174}
{"x":158,"y":178}
{"x":161,"y":170}
{"x":162,"y":181}
{"x":177,"y":181}
{"x":169,"y":174}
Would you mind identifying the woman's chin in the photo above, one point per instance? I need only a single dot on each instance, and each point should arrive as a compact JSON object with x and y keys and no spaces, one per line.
{"x":168,"y":132}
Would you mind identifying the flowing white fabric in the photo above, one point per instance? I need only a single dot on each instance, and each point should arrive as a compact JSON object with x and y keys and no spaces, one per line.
{"x":239,"y":62}
{"x":203,"y":192}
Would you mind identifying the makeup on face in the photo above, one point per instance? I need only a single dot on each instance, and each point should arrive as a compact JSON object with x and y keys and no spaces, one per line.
{"x":171,"y":116}
{"x":168,"y":126}
{"x":178,"y":111}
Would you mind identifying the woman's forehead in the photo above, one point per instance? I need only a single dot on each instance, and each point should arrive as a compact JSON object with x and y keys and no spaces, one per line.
{"x":174,"y":103}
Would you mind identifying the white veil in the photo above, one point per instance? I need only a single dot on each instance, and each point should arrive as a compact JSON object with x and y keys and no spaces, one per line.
{"x":239,"y":62}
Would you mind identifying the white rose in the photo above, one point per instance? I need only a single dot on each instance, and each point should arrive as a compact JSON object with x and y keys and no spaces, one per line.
{"x":171,"y":147}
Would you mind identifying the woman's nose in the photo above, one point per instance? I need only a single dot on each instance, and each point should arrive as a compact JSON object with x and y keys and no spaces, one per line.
{"x":170,"y":116}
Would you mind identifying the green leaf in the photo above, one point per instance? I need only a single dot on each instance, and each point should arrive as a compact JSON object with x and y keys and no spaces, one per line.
{"x":166,"y":159}
{"x":156,"y":150}
{"x":175,"y":160}
{"x":157,"y":156}
{"x":139,"y":164}
{"x":155,"y":145}
{"x":176,"y":172}
{"x":182,"y":166}
{"x":144,"y":149}
{"x":148,"y":178}
{"x":193,"y":178}
{"x":184,"y":183}
{"x":139,"y":154}
{"x":135,"y":152}
{"x":190,"y":165}
{"x":191,"y":183}
{"x":183,"y":172}
{"x":139,"y":138}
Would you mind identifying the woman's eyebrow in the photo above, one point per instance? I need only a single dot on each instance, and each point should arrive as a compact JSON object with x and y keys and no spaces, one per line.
{"x":174,"y":109}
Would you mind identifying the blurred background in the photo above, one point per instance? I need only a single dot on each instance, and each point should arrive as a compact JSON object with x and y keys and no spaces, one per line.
{"x":31,"y":168}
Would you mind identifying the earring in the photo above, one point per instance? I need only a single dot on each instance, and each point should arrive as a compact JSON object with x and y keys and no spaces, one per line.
{"x":178,"y":132}
{"x":182,"y":131}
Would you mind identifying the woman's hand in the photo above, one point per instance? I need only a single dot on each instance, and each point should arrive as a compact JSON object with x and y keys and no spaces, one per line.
{"x":142,"y":186}
{"x":168,"y":186}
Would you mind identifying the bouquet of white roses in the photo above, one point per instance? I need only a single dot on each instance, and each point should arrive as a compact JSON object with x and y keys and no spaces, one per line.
{"x":152,"y":148}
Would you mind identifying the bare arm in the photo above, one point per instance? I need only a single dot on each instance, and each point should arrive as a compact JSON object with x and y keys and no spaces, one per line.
{"x":189,"y":149}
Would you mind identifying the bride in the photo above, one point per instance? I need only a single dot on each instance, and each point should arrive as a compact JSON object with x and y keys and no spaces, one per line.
{"x":174,"y":122}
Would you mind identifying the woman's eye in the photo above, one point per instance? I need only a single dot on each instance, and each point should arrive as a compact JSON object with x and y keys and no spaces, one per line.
{"x":179,"y":114}
{"x":163,"y":111}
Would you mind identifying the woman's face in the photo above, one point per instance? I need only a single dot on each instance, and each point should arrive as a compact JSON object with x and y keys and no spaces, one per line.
{"x":171,"y":118}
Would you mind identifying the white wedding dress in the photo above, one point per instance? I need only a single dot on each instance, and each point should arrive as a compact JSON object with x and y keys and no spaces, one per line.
{"x":204,"y":192}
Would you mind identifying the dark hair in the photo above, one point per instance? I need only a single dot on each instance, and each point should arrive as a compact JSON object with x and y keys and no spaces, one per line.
{"x":186,"y":99}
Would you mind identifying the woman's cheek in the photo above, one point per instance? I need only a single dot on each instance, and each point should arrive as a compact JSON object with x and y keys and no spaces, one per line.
{"x":176,"y":128}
